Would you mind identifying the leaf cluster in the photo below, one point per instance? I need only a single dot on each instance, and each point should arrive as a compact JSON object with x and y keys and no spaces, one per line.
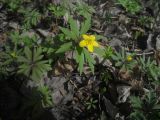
{"x":121,"y":60}
{"x":91,"y":104}
{"x":32,"y":64}
{"x":72,"y":37}
{"x":149,"y":67}
{"x":31,"y":18}
{"x":147,"y":108}
{"x":131,"y":6}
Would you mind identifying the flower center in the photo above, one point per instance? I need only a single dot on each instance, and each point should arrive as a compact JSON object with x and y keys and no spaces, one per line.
{"x":89,"y":42}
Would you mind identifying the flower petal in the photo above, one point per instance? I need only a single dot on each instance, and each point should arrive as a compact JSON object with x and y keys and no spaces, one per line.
{"x":90,"y":48}
{"x":85,"y":36}
{"x":129,"y":58}
{"x":83,"y":43}
{"x":95,"y":44}
{"x":92,"y":37}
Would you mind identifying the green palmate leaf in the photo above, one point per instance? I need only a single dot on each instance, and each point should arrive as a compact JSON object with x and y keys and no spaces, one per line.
{"x":32,"y":17}
{"x":156,"y":107}
{"x":65,"y":47}
{"x":67,"y":32}
{"x":115,"y":57}
{"x":137,"y":115}
{"x":151,"y":98}
{"x":136,"y":102}
{"x":86,"y":25}
{"x":45,"y":94}
{"x":32,"y":64}
{"x":81,"y":62}
{"x":39,"y":70}
{"x":74,"y":28}
{"x":24,"y":69}
{"x":37,"y":54}
{"x":131,"y":6}
{"x":28,"y":53}
{"x":58,"y":11}
{"x":89,"y":57}
{"x":43,"y":66}
{"x":15,"y":36}
{"x":147,"y":108}
{"x":99,"y":51}
{"x":36,"y":75}
{"x":90,"y":60}
{"x":22,"y":59}
{"x":80,"y":58}
{"x":83,"y":9}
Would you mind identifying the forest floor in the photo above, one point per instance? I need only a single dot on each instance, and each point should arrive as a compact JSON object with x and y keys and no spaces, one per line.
{"x":46,"y":73}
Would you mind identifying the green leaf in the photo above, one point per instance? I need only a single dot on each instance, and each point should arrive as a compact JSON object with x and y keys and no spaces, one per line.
{"x":136,"y":102}
{"x":115,"y":57}
{"x":74,"y":28}
{"x":24,"y":69}
{"x":81,"y":62}
{"x":28,"y":53}
{"x":33,"y":68}
{"x":86,"y":25}
{"x":65,"y":47}
{"x":99,"y":51}
{"x":36,"y":75}
{"x":156,"y":107}
{"x":22,"y":59}
{"x":37,"y":54}
{"x":118,"y":64}
{"x":89,"y":57}
{"x":90,"y":60}
{"x":67,"y":32}
{"x":80,"y":58}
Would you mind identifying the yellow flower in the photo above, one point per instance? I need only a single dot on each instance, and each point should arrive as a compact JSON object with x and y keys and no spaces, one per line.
{"x":13,"y":54}
{"x":129,"y":58}
{"x":89,"y":41}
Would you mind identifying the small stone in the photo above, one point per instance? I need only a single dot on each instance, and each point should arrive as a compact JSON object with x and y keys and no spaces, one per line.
{"x":114,"y":11}
{"x":14,"y":25}
{"x":158,"y":42}
{"x":116,"y":43}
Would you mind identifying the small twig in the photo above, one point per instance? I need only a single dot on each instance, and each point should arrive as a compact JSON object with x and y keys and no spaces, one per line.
{"x":73,"y":84}
{"x":148,"y":53}
{"x":99,"y":97}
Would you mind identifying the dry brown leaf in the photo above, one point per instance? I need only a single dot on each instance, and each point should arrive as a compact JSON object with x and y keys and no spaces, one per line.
{"x":63,"y":67}
{"x":3,"y":38}
{"x":125,"y":75}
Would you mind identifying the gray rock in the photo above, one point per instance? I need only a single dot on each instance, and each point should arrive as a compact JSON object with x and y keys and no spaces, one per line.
{"x":116,"y":43}
{"x":45,"y":33}
{"x":110,"y":108}
{"x":61,"y":113}
{"x":14,"y":25}
{"x":3,"y":19}
{"x":110,"y":29}
{"x":1,"y":5}
{"x":56,"y":1}
{"x":62,"y":90}
{"x":29,"y":33}
{"x":158,"y":42}
{"x":114,"y":11}
{"x":124,"y":93}
{"x":149,"y":42}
